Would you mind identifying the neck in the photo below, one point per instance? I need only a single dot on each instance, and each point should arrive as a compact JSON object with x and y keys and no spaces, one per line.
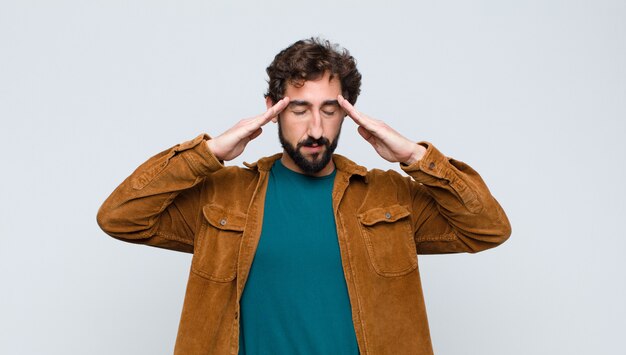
{"x":291,"y":165}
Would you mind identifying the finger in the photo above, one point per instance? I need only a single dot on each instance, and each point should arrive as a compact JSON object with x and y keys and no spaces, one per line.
{"x":350,"y":110}
{"x":255,"y":133}
{"x":356,"y":116}
{"x":274,"y":110}
{"x":367,"y":135}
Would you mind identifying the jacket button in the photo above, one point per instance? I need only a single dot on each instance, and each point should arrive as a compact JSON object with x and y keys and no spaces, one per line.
{"x":431,"y":166}
{"x":387,"y":215}
{"x":223,"y":221}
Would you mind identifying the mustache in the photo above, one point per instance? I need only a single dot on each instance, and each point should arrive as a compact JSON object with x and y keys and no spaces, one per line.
{"x":310,"y":141}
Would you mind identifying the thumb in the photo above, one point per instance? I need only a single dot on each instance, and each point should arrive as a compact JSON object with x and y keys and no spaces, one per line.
{"x":255,"y":133}
{"x":367,"y":135}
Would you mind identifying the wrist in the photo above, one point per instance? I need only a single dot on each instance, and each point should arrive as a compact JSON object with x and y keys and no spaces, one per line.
{"x":418,"y":153}
{"x":211,"y":145}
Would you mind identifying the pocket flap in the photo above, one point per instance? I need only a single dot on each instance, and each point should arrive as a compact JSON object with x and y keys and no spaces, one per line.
{"x":219,"y":218}
{"x":383,"y":214}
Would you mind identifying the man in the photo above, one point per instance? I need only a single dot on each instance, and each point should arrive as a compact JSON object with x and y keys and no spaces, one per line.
{"x":305,"y":252}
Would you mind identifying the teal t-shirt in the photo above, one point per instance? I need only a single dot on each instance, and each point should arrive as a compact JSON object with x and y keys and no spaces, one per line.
{"x":295,"y":300}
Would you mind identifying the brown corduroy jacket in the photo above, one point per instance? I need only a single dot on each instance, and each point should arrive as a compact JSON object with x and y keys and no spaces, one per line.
{"x":184,"y":199}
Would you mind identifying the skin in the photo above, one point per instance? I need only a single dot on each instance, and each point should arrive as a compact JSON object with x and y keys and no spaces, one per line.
{"x":315,"y":110}
{"x":388,"y":143}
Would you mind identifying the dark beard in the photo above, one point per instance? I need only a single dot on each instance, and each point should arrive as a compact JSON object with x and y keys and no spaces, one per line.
{"x":307,"y":166}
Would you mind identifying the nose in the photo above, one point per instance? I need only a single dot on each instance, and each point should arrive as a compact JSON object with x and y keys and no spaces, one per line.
{"x":315,"y":129}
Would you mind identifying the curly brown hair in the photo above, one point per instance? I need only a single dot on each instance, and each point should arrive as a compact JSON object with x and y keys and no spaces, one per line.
{"x":309,"y":59}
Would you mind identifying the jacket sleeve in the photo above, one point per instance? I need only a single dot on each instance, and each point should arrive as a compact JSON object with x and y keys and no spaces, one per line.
{"x":453,"y":210}
{"x":159,"y":203}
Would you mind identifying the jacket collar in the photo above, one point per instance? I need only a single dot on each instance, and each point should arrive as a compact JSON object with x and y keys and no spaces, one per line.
{"x":341,"y":163}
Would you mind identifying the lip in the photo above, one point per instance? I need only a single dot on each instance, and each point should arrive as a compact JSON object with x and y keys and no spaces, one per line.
{"x":313,"y":149}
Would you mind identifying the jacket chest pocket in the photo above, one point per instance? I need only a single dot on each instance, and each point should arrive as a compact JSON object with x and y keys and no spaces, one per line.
{"x":217,"y":244}
{"x":388,"y":237}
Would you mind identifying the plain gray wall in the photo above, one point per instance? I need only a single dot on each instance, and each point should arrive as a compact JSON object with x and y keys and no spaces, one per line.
{"x":532,"y":94}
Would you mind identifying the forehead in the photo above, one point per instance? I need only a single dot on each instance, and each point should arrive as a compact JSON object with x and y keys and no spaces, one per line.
{"x":315,"y":91}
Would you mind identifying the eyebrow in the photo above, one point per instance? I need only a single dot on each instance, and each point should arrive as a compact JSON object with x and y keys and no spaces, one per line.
{"x":306,"y":103}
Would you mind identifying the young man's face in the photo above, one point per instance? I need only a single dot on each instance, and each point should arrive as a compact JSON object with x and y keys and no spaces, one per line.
{"x":309,"y":127}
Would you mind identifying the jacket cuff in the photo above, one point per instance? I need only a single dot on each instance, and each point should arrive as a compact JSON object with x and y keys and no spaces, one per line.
{"x":198,"y":155}
{"x":431,"y":165}
{"x":437,"y":170}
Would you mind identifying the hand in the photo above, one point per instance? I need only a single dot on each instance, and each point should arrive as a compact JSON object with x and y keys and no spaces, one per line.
{"x":230,"y":144}
{"x":388,"y":143}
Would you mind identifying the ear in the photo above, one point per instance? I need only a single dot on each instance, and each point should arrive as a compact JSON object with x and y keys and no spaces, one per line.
{"x":269,"y":103}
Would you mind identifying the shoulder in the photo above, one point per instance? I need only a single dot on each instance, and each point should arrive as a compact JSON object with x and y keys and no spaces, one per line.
{"x":378,"y":177}
{"x":371,"y":177}
{"x":249,"y":171}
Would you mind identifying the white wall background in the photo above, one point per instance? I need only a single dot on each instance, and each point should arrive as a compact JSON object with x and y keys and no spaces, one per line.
{"x":531,"y":93}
